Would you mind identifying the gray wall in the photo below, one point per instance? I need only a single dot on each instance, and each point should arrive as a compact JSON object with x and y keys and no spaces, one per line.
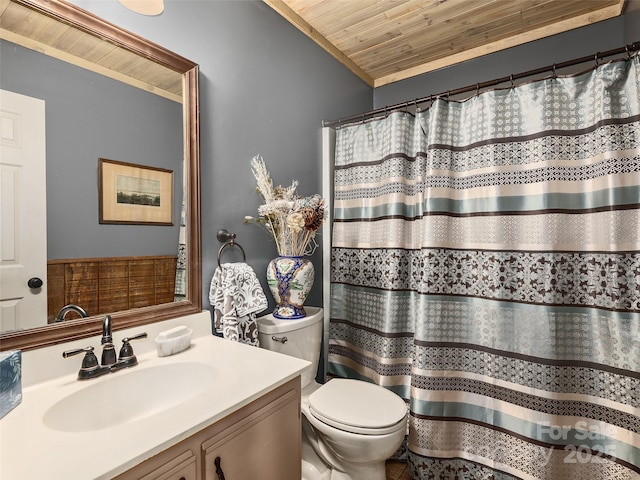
{"x":598,"y":37}
{"x":89,"y":116}
{"x":264,"y":89}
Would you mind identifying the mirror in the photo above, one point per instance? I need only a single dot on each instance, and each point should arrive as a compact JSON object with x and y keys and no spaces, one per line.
{"x":140,"y":63}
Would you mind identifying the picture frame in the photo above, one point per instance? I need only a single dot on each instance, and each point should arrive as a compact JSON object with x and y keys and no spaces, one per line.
{"x":134,"y":194}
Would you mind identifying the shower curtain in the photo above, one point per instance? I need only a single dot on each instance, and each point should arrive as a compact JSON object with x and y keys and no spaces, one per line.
{"x":485,"y":265}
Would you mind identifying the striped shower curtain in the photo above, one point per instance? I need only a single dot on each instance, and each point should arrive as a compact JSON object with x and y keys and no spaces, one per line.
{"x":485,"y":265}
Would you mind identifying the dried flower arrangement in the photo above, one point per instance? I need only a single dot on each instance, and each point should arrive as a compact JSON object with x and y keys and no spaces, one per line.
{"x":291,"y":220}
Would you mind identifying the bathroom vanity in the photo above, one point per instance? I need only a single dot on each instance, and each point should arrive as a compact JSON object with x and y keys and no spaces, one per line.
{"x":219,"y":410}
{"x":261,"y":440}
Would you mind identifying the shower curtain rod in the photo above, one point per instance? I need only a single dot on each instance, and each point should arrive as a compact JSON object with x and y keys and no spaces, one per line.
{"x":628,"y":49}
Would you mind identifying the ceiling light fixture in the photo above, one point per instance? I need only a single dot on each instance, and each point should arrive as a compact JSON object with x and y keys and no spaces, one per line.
{"x":144,"y":7}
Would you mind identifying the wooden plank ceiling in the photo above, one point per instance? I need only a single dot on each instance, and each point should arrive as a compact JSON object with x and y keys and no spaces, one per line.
{"x":383,"y":41}
{"x":32,"y":29}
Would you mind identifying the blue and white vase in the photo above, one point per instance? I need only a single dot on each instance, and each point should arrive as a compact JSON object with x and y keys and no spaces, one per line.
{"x":290,"y":280}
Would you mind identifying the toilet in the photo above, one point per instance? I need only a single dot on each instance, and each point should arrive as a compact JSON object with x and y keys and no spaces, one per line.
{"x":349,"y":427}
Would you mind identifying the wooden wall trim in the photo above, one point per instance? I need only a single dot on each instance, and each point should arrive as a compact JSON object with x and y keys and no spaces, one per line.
{"x":110,"y":284}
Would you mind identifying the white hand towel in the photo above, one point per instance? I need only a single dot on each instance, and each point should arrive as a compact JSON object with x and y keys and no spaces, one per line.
{"x":236,"y":297}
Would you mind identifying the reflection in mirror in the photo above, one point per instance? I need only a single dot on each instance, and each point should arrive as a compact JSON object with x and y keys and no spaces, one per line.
{"x":61,"y":30}
{"x":102,"y":268}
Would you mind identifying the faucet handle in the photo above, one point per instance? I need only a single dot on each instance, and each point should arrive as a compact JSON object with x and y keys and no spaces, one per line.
{"x":89,"y":360}
{"x":90,"y":367}
{"x":135,"y":337}
{"x":126,"y":352}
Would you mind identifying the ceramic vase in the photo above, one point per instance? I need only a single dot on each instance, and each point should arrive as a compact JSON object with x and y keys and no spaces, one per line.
{"x":290,"y":280}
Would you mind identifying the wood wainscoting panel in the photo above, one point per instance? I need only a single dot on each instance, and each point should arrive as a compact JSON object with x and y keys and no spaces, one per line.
{"x":114,"y":286}
{"x":110,"y":284}
{"x":142,"y":283}
{"x":81,"y":279}
{"x":55,"y":290}
{"x":165,"y":279}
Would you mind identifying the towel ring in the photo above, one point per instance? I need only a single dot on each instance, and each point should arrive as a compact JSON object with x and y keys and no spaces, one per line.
{"x":229,"y":240}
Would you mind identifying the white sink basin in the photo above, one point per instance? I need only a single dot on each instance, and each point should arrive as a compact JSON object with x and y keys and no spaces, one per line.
{"x":129,"y":395}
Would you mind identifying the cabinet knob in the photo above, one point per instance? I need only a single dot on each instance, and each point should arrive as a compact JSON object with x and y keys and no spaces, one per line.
{"x":219,"y":471}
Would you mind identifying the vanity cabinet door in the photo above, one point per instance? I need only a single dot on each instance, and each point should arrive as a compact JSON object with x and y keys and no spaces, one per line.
{"x":264,"y":444}
{"x":165,"y":466}
{"x":260,"y":441}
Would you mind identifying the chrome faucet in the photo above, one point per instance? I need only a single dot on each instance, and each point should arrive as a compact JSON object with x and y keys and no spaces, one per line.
{"x":108,"y":349}
{"x":68,"y":308}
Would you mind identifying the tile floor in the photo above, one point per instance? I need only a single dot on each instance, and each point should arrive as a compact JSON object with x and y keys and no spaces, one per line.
{"x":397,"y":471}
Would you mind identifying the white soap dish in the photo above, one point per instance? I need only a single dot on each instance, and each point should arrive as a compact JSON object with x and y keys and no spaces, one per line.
{"x":173,"y":341}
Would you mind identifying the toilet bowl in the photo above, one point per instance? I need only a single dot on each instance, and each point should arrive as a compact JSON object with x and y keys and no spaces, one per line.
{"x":349,"y":427}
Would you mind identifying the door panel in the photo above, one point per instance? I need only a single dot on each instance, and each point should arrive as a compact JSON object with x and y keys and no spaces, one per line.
{"x":23,"y":212}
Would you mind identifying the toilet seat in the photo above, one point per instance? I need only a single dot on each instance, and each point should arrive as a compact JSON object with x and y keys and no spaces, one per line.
{"x":358,"y":407}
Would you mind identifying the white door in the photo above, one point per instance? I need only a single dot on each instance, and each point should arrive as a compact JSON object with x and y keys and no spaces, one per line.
{"x":23,"y":212}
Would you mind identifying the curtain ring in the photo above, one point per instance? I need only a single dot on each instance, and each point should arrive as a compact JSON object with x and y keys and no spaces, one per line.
{"x":511,"y":80}
{"x":596,"y":59}
{"x":626,"y":47}
{"x":448,"y":91}
{"x":555,"y":74}
{"x":477,"y":89}
{"x":417,"y":107}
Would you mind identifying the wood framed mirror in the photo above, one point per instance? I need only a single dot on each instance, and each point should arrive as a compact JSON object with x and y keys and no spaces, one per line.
{"x":157,"y":69}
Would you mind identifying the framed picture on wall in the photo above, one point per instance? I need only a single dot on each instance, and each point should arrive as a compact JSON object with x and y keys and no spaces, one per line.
{"x":134,"y":194}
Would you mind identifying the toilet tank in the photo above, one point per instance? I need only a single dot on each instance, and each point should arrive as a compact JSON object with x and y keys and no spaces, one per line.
{"x":299,"y":338}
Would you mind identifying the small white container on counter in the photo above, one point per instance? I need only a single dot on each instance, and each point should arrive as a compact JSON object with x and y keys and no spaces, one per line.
{"x":173,"y":341}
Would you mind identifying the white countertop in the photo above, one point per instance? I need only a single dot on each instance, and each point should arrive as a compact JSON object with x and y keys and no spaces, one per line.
{"x":30,"y":450}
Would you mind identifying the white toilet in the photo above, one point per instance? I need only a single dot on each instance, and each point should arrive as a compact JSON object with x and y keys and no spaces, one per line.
{"x":349,"y":427}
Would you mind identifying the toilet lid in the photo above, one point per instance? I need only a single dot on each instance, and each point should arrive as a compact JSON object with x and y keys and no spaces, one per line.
{"x":357,"y":406}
